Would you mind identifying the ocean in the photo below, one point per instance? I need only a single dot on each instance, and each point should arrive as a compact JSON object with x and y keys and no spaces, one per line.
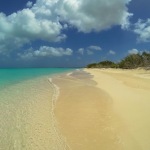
{"x":12,"y":76}
{"x":27,"y":120}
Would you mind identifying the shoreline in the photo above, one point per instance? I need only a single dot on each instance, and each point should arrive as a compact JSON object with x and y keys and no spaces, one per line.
{"x":87,"y":95}
{"x":55,"y":95}
{"x":80,"y":114}
{"x":27,"y":116}
{"x":83,"y":109}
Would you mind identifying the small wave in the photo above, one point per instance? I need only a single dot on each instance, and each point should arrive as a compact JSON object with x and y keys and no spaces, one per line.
{"x":69,"y":74}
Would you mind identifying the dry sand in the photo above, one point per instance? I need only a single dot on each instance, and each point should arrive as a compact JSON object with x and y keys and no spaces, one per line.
{"x":105,"y":109}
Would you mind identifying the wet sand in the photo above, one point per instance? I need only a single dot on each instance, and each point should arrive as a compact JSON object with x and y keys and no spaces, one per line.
{"x":27,"y":120}
{"x":104,"y":109}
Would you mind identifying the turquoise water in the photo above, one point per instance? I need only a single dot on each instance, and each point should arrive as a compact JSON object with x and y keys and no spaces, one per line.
{"x":13,"y":76}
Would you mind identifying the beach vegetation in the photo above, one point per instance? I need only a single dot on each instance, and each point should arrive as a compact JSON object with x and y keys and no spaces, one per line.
{"x":93,"y":65}
{"x":131,"y":61}
{"x":103,"y":64}
{"x":107,"y":64}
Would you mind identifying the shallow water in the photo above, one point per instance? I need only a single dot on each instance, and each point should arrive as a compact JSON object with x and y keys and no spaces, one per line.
{"x":27,"y":121}
{"x":13,"y":76}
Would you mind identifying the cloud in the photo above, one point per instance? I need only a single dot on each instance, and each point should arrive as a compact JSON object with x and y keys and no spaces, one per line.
{"x":91,"y":49}
{"x":45,"y":51}
{"x":81,"y":51}
{"x":133,"y":51}
{"x":46,"y":19}
{"x":97,"y":48}
{"x":29,"y":4}
{"x":30,"y":24}
{"x":142,"y":29}
{"x":94,"y":15}
{"x":111,"y":52}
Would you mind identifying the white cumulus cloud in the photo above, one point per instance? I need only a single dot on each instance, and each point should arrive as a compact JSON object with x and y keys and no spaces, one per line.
{"x":91,"y":49}
{"x":133,"y":51}
{"x":142,"y":29}
{"x":136,"y":51}
{"x":111,"y":52}
{"x":30,"y":24}
{"x":46,"y":19}
{"x":81,"y":51}
{"x":95,"y":15}
{"x":45,"y":51}
{"x":29,"y":4}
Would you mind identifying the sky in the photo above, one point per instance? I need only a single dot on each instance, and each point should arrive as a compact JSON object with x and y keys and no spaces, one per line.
{"x":71,"y":33}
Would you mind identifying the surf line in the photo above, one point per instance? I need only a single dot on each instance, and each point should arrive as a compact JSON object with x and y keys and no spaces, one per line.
{"x":61,"y":139}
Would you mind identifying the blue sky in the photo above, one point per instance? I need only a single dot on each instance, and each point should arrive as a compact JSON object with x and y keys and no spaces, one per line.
{"x":71,"y":33}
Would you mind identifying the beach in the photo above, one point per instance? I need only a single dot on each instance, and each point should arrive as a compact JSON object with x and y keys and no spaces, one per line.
{"x":78,"y":109}
{"x":27,"y":120}
{"x":105,"y":109}
{"x":75,"y":75}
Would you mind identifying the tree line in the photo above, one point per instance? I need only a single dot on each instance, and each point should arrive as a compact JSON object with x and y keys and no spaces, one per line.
{"x":131,"y":61}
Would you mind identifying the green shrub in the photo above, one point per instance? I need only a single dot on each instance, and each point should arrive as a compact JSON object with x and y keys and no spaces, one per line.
{"x":129,"y":62}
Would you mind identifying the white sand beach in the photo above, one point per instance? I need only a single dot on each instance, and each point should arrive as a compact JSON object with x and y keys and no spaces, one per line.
{"x":90,"y":109}
{"x":105,"y":109}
